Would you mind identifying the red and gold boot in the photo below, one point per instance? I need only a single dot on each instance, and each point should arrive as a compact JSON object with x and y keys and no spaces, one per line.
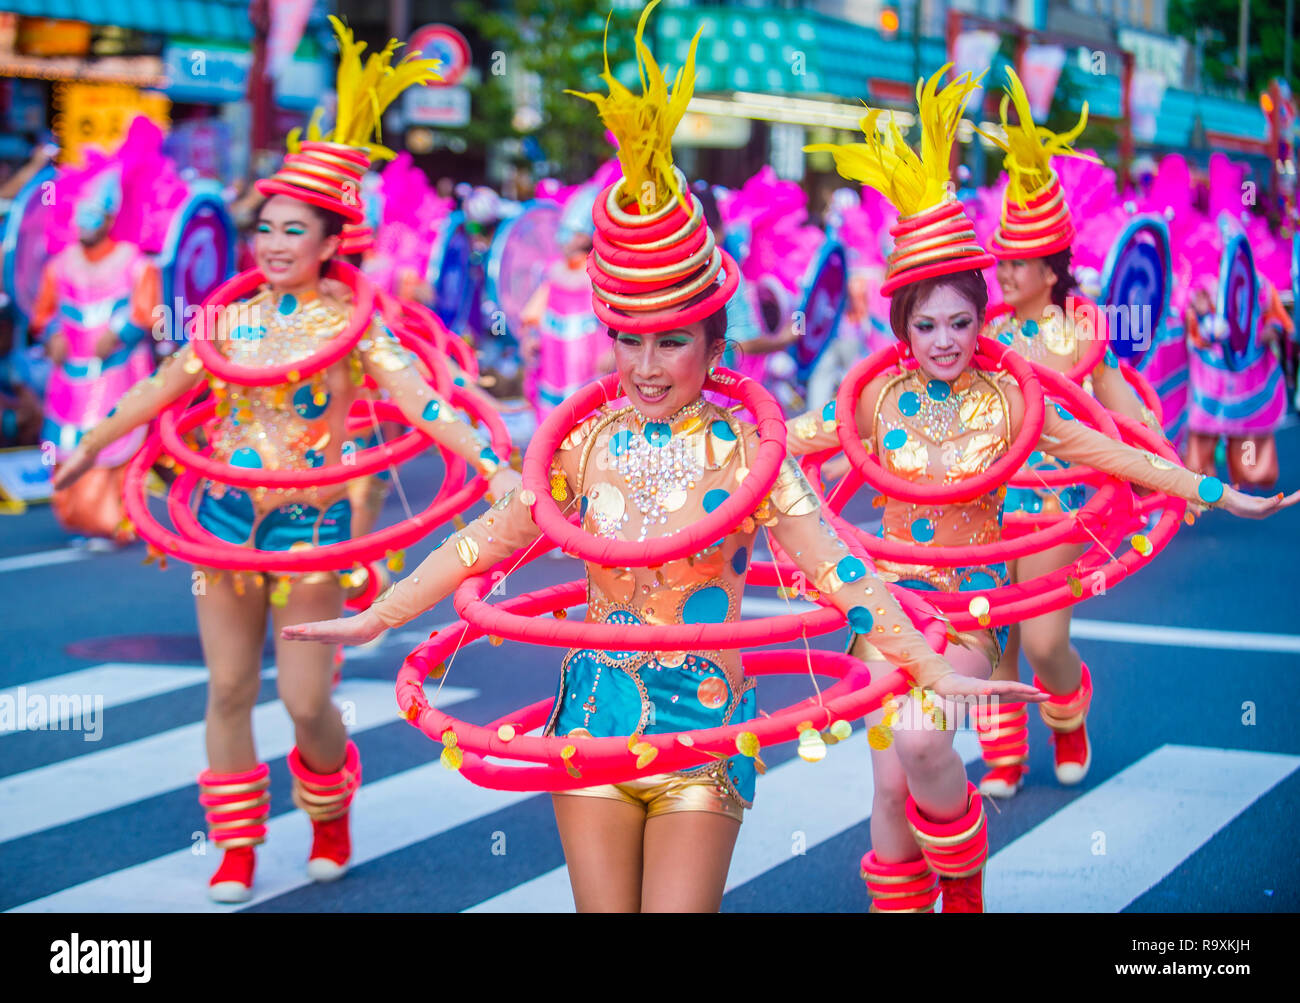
{"x":956,"y":851}
{"x":1003,"y":730}
{"x":326,"y":797}
{"x":1065,"y":715}
{"x":906,"y":887}
{"x":238,"y":805}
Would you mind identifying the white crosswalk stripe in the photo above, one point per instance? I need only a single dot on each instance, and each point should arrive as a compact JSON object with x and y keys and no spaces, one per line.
{"x":1148,"y":818}
{"x":76,"y":694}
{"x":109,"y":778}
{"x":1108,"y":846}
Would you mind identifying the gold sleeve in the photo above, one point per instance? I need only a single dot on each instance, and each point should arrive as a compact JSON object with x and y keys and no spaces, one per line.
{"x":393,"y":369}
{"x":496,"y":534}
{"x":1115,"y":393}
{"x":1075,"y":442}
{"x":178,"y":374}
{"x":493,"y":536}
{"x":847,"y":581}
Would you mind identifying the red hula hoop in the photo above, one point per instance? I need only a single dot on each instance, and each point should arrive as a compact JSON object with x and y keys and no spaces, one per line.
{"x":359,"y":318}
{"x":999,"y":472}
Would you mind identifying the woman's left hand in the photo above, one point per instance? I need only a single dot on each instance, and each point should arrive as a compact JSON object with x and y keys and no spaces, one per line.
{"x":956,"y":685}
{"x":359,"y":629}
{"x":1253,"y":507}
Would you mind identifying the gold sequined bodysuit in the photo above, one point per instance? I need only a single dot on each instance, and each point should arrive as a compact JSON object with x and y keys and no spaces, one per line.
{"x":635,"y":479}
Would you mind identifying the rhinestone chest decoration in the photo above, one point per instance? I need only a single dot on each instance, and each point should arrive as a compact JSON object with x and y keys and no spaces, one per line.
{"x":659,"y":468}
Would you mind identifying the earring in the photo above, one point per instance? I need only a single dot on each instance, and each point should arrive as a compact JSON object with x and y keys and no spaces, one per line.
{"x":904,"y":350}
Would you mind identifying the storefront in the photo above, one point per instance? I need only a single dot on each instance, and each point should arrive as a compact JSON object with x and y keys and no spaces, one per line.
{"x":66,"y":75}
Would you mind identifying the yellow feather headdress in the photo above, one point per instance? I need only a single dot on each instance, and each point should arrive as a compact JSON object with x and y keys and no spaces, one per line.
{"x":889,"y":165}
{"x":365,"y":91}
{"x":1029,"y":148}
{"x":644,"y":123}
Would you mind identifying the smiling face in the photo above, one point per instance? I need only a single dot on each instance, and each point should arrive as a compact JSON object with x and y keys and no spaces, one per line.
{"x":942,"y":330}
{"x":290,"y":244}
{"x":664,"y":372}
{"x":1026,"y":285}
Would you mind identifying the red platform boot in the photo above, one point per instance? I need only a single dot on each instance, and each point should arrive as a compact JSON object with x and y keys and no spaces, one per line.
{"x":238,"y":805}
{"x":326,"y":797}
{"x":1003,"y":730}
{"x":956,"y":851}
{"x":907,"y":887}
{"x":1065,"y":715}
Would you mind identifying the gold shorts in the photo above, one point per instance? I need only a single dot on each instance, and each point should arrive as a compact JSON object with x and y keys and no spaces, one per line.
{"x":664,"y":793}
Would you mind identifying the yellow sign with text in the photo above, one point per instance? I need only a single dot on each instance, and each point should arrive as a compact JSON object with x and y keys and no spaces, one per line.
{"x":99,"y":115}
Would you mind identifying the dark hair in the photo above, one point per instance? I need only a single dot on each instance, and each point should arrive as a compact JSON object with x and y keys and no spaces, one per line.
{"x":1059,"y":265}
{"x":969,"y":283}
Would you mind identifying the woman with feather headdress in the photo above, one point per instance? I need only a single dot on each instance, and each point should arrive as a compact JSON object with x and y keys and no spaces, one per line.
{"x":293,"y":418}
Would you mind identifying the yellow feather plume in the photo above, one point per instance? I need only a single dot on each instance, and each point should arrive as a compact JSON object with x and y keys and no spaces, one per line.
{"x":885,"y":161}
{"x":644,"y":123}
{"x":365,"y":91}
{"x":1029,"y":149}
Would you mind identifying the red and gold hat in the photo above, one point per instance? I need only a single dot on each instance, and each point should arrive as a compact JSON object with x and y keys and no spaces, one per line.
{"x":652,"y":251}
{"x":326,"y":169}
{"x":933,"y":235}
{"x":1035,"y":217}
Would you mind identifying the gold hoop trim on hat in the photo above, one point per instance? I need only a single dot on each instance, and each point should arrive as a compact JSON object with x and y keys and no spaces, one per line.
{"x":671,"y":297}
{"x":939,"y":254}
{"x":660,"y":272}
{"x":308,"y":182}
{"x":959,"y":238}
{"x":697,"y":214}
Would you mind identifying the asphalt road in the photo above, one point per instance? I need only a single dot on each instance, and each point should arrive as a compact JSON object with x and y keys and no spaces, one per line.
{"x":1189,"y":805}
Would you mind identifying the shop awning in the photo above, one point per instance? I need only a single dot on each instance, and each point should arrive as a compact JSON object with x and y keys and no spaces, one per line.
{"x":217,"y":20}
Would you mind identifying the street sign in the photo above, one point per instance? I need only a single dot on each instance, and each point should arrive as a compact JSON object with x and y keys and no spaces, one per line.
{"x":445,"y":106}
{"x":446,"y":44}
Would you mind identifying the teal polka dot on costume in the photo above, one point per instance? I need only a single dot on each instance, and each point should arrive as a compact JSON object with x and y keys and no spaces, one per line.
{"x":708,"y":605}
{"x":489,"y":456}
{"x":1064,"y":413}
{"x":459,"y":381}
{"x":314,"y":457}
{"x":895,"y":438}
{"x":715,"y":498}
{"x":828,"y":412}
{"x":909,"y":403}
{"x":1210,"y":490}
{"x":288,"y":304}
{"x":740,"y":561}
{"x":305,"y":404}
{"x":922,"y":531}
{"x":246,"y":457}
{"x":977,"y":581}
{"x":938,"y":390}
{"x":1111,"y":360}
{"x":850,"y":569}
{"x":620,"y":442}
{"x":1006,"y":337}
{"x":1036,"y":457}
{"x":721,"y":430}
{"x":860,"y":619}
{"x":657,"y":433}
{"x":582,"y":508}
{"x":1029,"y":328}
{"x":430,"y":412}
